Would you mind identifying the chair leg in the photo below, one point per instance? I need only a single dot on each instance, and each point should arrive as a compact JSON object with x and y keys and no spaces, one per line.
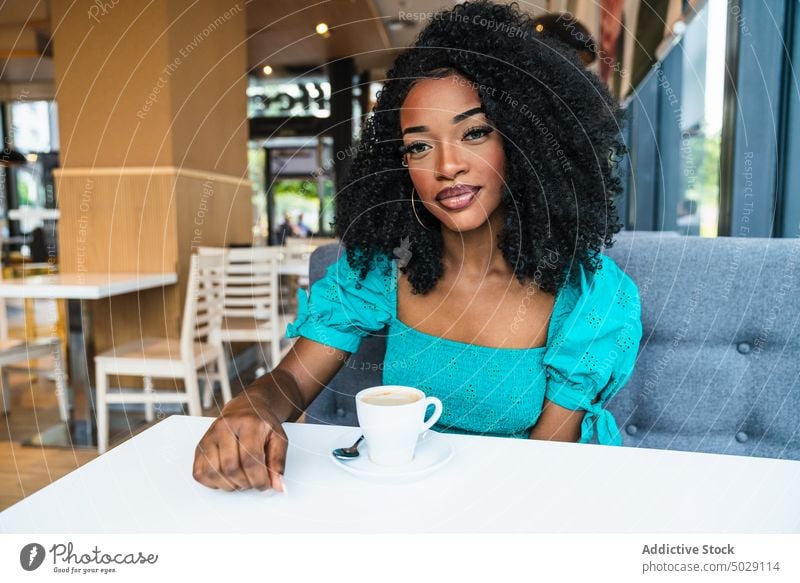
{"x":262,"y":351}
{"x":206,"y":387}
{"x":62,"y":389}
{"x":102,"y":410}
{"x":193,"y":393}
{"x":5,"y":388}
{"x":275,"y":347}
{"x":149,"y":411}
{"x":224,"y":382}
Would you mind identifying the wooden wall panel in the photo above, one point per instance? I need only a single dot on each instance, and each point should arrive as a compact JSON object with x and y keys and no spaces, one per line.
{"x":207,"y":43}
{"x":108,"y":68}
{"x":114,"y":220}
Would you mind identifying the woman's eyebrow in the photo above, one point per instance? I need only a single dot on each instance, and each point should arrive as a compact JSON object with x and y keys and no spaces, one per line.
{"x":456,"y":119}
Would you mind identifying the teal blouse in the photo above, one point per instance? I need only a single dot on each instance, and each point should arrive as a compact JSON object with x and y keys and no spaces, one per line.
{"x":592,"y":344}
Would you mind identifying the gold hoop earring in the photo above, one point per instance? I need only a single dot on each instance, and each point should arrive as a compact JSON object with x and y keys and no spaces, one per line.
{"x":414,"y":208}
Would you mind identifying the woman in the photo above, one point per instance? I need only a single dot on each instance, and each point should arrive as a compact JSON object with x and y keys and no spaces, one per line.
{"x":478,"y":201}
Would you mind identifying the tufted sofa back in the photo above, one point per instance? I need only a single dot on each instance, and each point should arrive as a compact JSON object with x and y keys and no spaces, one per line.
{"x":718,"y":369}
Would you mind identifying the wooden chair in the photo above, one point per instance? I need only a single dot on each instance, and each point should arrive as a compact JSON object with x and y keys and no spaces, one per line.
{"x":14,"y":352}
{"x":294,"y":250}
{"x":251,"y":300}
{"x":198,"y":349}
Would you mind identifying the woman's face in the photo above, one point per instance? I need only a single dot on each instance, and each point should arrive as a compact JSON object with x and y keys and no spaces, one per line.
{"x":449,"y":144}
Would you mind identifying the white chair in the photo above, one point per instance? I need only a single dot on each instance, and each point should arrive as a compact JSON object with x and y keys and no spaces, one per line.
{"x":251,"y":300}
{"x":296,"y":251}
{"x":14,"y":351}
{"x":198,"y":348}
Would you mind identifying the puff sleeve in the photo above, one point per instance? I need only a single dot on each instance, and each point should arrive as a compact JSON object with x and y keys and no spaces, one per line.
{"x":595,"y":349}
{"x":342,"y":309}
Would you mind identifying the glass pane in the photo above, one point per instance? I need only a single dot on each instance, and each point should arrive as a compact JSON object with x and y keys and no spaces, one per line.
{"x":307,"y":97}
{"x":326,"y":230}
{"x":33,"y":126}
{"x":703,"y":48}
{"x":255,"y":162}
{"x":297,"y":208}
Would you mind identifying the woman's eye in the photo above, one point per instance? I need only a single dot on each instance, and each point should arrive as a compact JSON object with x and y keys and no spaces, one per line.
{"x":418,"y":149}
{"x":415,"y":148}
{"x":476,"y":133}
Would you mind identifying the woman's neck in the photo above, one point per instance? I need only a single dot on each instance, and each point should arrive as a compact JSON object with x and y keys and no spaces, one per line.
{"x":475,"y":253}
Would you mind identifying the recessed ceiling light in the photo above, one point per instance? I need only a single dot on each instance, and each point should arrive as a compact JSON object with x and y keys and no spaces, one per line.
{"x":267,"y":70}
{"x":322,"y":28}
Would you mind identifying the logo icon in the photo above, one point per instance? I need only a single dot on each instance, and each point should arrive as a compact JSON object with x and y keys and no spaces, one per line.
{"x":403,"y":252}
{"x":31,"y":556}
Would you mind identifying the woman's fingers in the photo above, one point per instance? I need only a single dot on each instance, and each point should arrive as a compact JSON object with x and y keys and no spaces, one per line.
{"x":229,"y":464}
{"x":276,"y":458}
{"x":216,"y":468}
{"x":253,"y":459}
{"x":209,"y":472}
{"x":200,"y":470}
{"x":238,"y":453}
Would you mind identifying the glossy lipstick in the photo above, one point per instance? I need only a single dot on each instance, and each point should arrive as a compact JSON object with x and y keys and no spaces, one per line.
{"x":457,"y":197}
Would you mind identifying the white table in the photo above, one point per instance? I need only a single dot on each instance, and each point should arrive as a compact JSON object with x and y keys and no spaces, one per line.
{"x":82,"y":286}
{"x":77,"y":288}
{"x":492,"y":484}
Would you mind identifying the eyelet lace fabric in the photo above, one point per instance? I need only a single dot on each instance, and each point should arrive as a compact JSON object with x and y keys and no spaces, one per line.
{"x":592,"y":343}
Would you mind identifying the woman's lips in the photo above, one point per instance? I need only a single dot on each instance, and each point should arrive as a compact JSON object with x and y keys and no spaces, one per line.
{"x":459,"y":201}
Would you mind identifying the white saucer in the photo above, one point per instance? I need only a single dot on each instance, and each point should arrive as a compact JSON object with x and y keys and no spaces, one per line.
{"x":433,"y":452}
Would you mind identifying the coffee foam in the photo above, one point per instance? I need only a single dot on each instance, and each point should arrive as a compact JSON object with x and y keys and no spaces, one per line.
{"x":390,"y":397}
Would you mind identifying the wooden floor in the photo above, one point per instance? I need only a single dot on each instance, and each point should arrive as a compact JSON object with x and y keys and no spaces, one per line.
{"x":26,"y":469}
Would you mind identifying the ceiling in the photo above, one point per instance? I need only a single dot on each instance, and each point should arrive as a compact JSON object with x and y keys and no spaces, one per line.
{"x":280,"y":33}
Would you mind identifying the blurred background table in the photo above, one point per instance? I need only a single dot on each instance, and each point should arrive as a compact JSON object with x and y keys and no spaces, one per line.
{"x":77,"y":288}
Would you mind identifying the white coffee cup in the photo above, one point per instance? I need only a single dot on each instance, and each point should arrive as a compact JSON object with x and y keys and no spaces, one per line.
{"x":392,"y":418}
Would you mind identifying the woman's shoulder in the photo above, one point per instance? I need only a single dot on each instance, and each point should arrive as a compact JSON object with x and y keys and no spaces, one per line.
{"x":606,"y":278}
{"x":599,"y":291}
{"x":343,"y":305}
{"x":610,"y":276}
{"x":347,"y":273}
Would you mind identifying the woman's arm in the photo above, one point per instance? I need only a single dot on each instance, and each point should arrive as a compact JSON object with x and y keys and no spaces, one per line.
{"x":245,"y":447}
{"x":557,"y":423}
{"x":290,"y":387}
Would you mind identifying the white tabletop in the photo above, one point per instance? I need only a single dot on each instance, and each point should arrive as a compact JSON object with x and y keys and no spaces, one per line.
{"x":491,"y":484}
{"x":82,"y":286}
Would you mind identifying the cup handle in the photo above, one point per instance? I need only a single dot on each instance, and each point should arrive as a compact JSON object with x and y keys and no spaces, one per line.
{"x":437,"y":412}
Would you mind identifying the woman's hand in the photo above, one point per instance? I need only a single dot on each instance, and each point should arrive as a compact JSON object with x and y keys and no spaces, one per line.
{"x":245,"y":447}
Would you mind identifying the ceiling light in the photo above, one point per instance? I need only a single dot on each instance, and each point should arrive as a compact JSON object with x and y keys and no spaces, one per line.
{"x":398,"y":24}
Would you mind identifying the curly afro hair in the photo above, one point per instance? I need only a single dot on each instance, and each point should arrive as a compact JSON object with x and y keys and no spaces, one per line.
{"x":561,"y":138}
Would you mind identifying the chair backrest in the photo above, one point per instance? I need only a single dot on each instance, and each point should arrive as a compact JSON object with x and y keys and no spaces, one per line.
{"x":202,"y":313}
{"x":296,"y":249}
{"x":300,"y":248}
{"x":250,"y":282}
{"x":717,"y":369}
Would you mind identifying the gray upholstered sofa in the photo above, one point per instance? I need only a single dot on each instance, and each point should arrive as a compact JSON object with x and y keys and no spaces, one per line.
{"x":718,"y":368}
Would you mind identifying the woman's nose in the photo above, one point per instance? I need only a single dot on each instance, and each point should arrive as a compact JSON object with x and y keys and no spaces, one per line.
{"x":450,"y":160}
